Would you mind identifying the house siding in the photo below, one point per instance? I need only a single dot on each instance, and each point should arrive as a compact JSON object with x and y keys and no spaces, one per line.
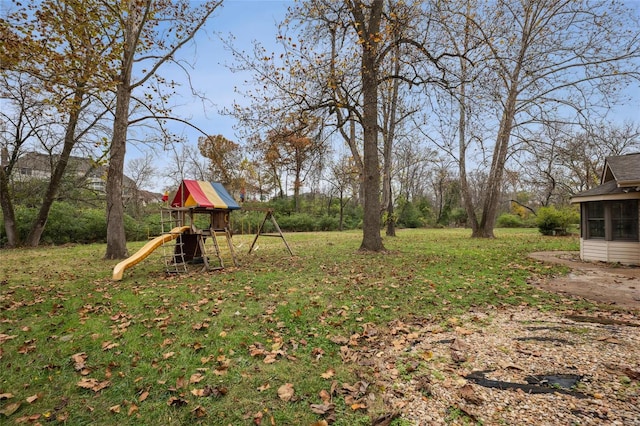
{"x":625,"y":252}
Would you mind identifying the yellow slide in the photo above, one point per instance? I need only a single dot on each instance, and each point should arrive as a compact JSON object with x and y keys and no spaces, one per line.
{"x":146,"y":250}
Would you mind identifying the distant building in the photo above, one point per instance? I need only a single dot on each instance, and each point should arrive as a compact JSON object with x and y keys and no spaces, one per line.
{"x":89,"y":174}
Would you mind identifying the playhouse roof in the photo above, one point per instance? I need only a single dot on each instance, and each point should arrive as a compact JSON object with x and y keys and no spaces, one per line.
{"x":197,"y":193}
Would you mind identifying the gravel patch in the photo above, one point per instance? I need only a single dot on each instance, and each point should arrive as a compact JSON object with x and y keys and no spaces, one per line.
{"x":425,"y":371}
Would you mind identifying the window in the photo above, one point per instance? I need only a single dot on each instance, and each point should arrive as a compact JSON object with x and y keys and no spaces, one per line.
{"x":612,"y":220}
{"x":624,"y":220}
{"x":595,"y":220}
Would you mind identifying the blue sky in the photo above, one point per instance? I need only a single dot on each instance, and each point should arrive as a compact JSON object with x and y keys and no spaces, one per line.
{"x":247,"y":21}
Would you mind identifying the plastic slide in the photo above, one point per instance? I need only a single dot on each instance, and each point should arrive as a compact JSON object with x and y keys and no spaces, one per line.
{"x":146,"y":250}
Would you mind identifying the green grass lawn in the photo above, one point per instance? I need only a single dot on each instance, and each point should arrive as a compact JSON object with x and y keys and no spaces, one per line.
{"x":221,"y":347}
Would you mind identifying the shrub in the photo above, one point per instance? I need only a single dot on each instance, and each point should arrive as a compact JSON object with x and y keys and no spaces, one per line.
{"x":508,"y":220}
{"x":551,"y":221}
{"x":410,"y":216}
{"x":328,"y":223}
{"x":297,"y":222}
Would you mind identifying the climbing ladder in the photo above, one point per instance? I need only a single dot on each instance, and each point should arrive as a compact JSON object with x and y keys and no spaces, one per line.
{"x":173,"y":253}
{"x":215,"y":249}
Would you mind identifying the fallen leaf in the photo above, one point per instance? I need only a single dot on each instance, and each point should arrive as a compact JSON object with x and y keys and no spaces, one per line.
{"x":322,"y":409}
{"x":196,"y":378}
{"x":133,"y":408}
{"x":94,"y":384}
{"x":459,"y":345}
{"x":317,"y":353}
{"x":181,"y":383}
{"x":286,"y":391}
{"x":5,"y":337}
{"x":358,"y":406}
{"x":108,"y":345}
{"x":199,"y":412}
{"x":320,"y":423}
{"x":9,"y":409}
{"x":174,"y":401}
{"x":197,"y":392}
{"x":28,"y":346}
{"x":5,"y":396}
{"x":33,"y":398}
{"x":324,"y":396}
{"x":385,"y":420}
{"x":115,"y":409}
{"x":328,"y":374}
{"x":468,"y":394}
{"x":79,"y":360}
{"x":463,"y":331}
{"x":168,"y":355}
{"x":144,"y":395}
{"x":270,"y":358}
{"x":263,"y":387}
{"x":339,"y":340}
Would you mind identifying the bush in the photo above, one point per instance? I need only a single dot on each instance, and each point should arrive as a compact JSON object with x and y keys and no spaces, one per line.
{"x":328,"y":223}
{"x":551,"y":221}
{"x":507,"y":220}
{"x":410,"y":216}
{"x":65,"y":224}
{"x":297,"y":222}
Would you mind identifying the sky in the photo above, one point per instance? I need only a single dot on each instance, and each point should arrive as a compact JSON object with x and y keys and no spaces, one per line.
{"x":248,"y":21}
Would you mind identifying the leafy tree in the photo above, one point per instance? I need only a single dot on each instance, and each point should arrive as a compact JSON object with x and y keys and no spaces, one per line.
{"x":224,"y":159}
{"x":62,"y":52}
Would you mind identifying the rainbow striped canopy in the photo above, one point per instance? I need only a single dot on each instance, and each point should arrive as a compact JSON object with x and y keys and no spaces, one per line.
{"x":197,"y":193}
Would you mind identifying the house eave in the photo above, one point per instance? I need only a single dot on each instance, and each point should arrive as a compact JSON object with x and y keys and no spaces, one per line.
{"x":606,"y":197}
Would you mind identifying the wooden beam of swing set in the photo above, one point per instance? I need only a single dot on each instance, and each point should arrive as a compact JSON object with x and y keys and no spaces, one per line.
{"x":268,"y":215}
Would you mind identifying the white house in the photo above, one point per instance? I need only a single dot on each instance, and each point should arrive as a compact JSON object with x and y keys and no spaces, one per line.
{"x":609,"y":214}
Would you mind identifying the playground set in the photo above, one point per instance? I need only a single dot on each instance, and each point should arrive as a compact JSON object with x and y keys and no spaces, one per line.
{"x":197,"y":219}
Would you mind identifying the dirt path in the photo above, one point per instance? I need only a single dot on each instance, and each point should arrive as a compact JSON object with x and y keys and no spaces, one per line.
{"x":595,"y":281}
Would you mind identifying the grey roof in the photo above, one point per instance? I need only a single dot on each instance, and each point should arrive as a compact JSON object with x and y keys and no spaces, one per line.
{"x":606,"y":188}
{"x":625,"y":169}
{"x":621,"y":175}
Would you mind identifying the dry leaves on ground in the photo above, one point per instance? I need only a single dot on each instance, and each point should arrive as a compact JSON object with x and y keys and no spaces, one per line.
{"x":427,"y":369}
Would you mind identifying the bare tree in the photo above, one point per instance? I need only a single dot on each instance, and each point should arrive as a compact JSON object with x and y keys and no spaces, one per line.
{"x":539,"y":60}
{"x":150,"y":33}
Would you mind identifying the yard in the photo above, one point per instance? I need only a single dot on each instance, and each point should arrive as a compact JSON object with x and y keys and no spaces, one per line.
{"x":328,"y":336}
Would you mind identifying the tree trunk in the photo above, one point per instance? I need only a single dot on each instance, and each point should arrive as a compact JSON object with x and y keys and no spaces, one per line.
{"x":494,"y":183}
{"x":388,"y":148}
{"x":39,"y":223}
{"x":371,"y":238}
{"x":8,"y":212}
{"x":116,"y":237}
{"x":472,"y":218}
